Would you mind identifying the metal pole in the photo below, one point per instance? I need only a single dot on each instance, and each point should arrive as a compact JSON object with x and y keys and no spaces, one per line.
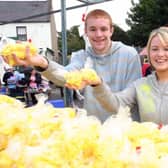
{"x":64,"y":44}
{"x":64,"y":34}
{"x":54,"y":38}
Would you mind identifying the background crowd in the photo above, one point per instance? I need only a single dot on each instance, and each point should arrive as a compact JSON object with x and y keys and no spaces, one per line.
{"x":24,"y":84}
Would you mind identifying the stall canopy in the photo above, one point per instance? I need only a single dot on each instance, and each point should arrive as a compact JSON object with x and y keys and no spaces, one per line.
{"x":92,"y":1}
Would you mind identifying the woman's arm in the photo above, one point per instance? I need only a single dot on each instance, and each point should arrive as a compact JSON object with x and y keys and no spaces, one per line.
{"x":112,"y":101}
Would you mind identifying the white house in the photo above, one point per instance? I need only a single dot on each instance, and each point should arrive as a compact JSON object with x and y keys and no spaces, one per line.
{"x":19,"y":21}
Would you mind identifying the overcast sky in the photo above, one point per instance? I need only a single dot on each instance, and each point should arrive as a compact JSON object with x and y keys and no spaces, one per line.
{"x":117,"y":8}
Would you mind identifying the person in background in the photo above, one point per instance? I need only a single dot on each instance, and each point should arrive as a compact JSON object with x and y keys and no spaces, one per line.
{"x":10,"y":81}
{"x":116,"y":63}
{"x":33,"y":80}
{"x":20,"y":85}
{"x":146,"y":67}
{"x":148,"y":71}
{"x":149,"y":93}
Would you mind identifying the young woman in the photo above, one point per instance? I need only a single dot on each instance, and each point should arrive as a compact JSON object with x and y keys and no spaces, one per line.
{"x":150,"y":93}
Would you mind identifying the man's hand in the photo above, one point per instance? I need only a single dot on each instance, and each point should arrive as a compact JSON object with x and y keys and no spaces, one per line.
{"x":29,"y":60}
{"x":80,"y":79}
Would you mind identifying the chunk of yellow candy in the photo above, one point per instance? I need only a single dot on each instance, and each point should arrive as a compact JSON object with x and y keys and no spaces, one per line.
{"x":3,"y":141}
{"x":89,"y":75}
{"x":76,"y":78}
{"x":19,"y":49}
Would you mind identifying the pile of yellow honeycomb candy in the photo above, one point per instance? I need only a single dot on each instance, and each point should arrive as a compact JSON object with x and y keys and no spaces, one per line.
{"x":19,"y":49}
{"x":42,"y":136}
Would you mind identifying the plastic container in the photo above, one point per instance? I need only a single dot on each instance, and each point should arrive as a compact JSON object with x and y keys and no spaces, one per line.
{"x":58,"y":103}
{"x":3,"y":90}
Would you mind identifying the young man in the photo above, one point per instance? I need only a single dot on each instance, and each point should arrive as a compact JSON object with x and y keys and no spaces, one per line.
{"x":116,"y":63}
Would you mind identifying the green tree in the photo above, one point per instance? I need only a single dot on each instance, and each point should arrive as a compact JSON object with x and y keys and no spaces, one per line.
{"x":120,"y":35}
{"x":144,"y":17}
{"x":74,"y":41}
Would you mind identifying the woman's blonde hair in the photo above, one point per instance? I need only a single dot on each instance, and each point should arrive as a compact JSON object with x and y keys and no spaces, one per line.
{"x":162,"y":33}
{"x":98,"y":13}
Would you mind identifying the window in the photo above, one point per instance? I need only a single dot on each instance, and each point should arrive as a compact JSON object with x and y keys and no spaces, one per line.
{"x":21,"y":33}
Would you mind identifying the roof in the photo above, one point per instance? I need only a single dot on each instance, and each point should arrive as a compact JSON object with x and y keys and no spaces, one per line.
{"x":13,"y":11}
{"x":143,"y":52}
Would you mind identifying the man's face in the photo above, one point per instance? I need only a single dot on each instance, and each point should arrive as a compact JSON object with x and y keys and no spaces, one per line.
{"x":99,"y":32}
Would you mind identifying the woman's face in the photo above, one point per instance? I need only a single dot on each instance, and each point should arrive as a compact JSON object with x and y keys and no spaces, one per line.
{"x":99,"y":32}
{"x":33,"y":72}
{"x":159,"y":54}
